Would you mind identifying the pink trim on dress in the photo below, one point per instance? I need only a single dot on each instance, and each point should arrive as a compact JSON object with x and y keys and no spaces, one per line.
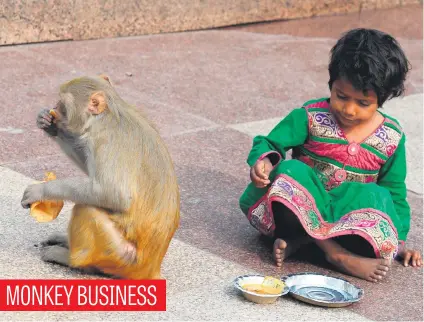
{"x":264,"y":155}
{"x":321,"y":237}
{"x":250,"y":214}
{"x":325,"y":226}
{"x":364,"y":159}
{"x":322,"y":104}
{"x":378,"y":212}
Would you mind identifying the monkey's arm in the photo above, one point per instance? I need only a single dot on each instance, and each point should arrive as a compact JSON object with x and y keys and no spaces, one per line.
{"x":67,"y":141}
{"x":69,"y":144}
{"x":77,"y":190}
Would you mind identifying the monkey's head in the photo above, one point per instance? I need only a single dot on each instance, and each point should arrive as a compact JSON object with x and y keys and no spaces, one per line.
{"x":83,"y":100}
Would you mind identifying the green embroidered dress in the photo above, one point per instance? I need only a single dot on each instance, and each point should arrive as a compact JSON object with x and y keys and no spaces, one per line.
{"x":333,"y":186}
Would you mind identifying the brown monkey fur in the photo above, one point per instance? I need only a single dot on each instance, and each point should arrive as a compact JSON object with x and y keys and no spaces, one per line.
{"x":127,"y":211}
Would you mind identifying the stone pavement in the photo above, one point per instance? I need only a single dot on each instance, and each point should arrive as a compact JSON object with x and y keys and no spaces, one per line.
{"x":209,"y":93}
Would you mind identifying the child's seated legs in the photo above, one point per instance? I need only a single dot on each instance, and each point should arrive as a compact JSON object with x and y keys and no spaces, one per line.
{"x":289,"y":233}
{"x":301,"y":211}
{"x":351,"y":254}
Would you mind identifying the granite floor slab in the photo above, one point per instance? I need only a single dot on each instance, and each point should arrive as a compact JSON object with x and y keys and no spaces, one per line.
{"x":209,"y":93}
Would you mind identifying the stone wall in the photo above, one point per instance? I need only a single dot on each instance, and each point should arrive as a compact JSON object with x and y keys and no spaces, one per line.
{"x":27,"y":21}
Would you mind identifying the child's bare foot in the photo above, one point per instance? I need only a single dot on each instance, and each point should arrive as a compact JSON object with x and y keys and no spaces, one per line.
{"x":283,"y":249}
{"x":279,"y":251}
{"x":370,"y":269}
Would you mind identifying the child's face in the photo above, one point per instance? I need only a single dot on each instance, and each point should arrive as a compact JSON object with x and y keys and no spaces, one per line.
{"x":350,"y":106}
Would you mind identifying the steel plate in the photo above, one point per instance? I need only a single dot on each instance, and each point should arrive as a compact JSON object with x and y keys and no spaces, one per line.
{"x":322,"y":290}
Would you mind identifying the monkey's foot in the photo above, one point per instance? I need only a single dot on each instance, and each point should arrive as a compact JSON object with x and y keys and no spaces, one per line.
{"x":56,"y":239}
{"x":55,"y":254}
{"x":129,"y":253}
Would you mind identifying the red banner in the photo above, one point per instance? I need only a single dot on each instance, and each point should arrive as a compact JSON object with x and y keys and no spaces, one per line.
{"x":82,"y":295}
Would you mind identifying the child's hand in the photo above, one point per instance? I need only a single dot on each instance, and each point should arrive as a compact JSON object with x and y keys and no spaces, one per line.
{"x":410,"y":255}
{"x":260,"y":171}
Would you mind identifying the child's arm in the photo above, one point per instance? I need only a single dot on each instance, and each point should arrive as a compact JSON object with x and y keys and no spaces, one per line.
{"x":392,"y":177}
{"x":290,"y":132}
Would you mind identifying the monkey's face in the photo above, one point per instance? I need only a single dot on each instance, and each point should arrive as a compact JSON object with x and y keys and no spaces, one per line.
{"x":71,"y":117}
{"x":82,"y":100}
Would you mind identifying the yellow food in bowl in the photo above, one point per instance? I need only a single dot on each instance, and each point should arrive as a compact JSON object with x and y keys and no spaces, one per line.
{"x":270,"y":286}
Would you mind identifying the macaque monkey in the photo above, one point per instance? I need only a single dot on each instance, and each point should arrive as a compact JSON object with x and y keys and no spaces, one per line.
{"x":127,"y":209}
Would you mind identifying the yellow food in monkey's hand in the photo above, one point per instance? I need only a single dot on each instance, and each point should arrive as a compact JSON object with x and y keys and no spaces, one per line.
{"x":270,"y":286}
{"x":54,"y":114}
{"x":45,"y":211}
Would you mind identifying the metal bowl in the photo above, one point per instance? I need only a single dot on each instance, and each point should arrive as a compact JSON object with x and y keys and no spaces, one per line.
{"x":255,"y":297}
{"x":322,"y":290}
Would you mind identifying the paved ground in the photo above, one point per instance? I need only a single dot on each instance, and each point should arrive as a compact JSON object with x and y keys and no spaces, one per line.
{"x":209,"y":93}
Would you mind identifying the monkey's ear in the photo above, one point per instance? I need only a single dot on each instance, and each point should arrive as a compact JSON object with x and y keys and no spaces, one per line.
{"x":105,"y":77}
{"x":97,"y":103}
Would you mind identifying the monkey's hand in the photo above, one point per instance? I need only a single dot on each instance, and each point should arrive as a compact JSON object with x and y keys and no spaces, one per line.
{"x":77,"y":190}
{"x":45,"y":122}
{"x":33,"y":193}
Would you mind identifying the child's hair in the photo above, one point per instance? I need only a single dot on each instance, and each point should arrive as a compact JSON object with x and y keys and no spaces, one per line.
{"x":370,"y":60}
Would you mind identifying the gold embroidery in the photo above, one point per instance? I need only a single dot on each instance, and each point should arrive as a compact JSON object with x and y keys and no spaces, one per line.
{"x":384,"y":140}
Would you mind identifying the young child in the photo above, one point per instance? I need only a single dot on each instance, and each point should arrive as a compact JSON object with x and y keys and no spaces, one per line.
{"x":344,"y":188}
